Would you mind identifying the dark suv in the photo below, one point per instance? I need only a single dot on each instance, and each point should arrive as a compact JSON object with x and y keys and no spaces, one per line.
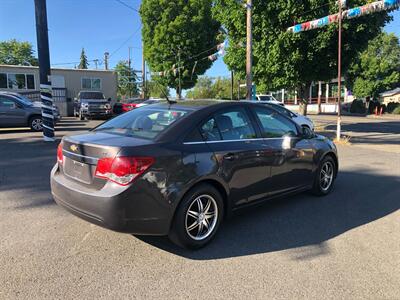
{"x":91,"y":104}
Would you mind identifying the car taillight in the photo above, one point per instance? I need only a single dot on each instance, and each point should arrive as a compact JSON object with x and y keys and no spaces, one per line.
{"x":122,"y":170}
{"x":60,"y":156}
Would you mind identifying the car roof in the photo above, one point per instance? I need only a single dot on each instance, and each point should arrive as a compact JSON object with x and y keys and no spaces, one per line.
{"x":193,"y":104}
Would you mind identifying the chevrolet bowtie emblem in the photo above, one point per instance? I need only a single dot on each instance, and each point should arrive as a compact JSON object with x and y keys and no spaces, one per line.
{"x":73,"y":148}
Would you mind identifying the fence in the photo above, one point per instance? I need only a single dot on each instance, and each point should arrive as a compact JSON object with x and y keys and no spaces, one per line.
{"x":59,"y":98}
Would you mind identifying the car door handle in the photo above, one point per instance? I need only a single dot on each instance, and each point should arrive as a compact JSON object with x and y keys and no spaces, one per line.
{"x":230,"y":156}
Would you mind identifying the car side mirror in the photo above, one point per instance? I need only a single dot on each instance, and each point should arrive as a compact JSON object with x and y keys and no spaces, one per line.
{"x":109,"y":99}
{"x":307,"y":133}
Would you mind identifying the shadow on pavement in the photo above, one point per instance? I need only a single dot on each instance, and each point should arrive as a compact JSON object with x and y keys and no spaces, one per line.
{"x":302,"y":221}
{"x":25,"y":166}
{"x":368,"y":127}
{"x":60,"y":127}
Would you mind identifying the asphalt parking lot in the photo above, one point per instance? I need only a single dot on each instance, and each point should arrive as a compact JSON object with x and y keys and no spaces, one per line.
{"x":343,"y":246}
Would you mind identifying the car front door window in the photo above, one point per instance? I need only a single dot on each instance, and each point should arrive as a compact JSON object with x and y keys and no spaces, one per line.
{"x":274,"y":125}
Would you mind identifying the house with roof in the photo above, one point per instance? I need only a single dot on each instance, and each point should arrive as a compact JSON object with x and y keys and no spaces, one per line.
{"x":390,"y":96}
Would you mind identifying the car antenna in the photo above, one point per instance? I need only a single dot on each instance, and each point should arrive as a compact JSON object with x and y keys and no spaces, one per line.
{"x":165,"y":94}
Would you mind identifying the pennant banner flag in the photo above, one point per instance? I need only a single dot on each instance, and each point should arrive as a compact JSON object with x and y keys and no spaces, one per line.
{"x":347,"y":14}
{"x":221,"y":52}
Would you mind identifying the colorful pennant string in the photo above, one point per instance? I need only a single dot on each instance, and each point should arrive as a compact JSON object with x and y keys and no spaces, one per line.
{"x":347,"y":14}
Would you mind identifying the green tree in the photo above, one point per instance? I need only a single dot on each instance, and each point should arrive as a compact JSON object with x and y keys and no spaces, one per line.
{"x":377,"y":68}
{"x":127,"y":80}
{"x":174,"y":33}
{"x":287,"y":60}
{"x":203,"y":89}
{"x":83,"y":60}
{"x":13,"y":52}
{"x":215,"y":88}
{"x":156,"y":90}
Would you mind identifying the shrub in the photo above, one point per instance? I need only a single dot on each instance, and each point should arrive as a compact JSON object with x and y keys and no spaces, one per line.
{"x":392,"y":106}
{"x":396,"y":110}
{"x":357,"y":107}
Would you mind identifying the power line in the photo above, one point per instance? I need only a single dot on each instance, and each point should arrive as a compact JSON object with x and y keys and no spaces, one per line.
{"x":114,"y":52}
{"x":128,"y":6}
{"x":126,"y":41}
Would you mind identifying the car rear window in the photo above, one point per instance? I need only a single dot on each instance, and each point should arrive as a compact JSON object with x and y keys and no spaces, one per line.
{"x":146,"y":123}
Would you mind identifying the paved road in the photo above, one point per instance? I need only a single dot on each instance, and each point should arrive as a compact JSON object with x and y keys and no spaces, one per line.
{"x":375,"y":133}
{"x":344,"y":246}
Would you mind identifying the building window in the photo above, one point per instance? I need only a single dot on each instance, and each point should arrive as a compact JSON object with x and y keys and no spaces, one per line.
{"x":3,"y":80}
{"x":30,"y":82}
{"x":91,"y":83}
{"x":17,"y":81}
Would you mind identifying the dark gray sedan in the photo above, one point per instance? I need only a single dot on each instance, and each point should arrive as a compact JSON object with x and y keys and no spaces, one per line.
{"x":17,"y":111}
{"x":179,"y":169}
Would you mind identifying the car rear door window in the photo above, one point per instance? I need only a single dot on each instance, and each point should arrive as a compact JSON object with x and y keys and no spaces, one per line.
{"x":235,"y":124}
{"x":273,"y":124}
{"x":210,"y":131}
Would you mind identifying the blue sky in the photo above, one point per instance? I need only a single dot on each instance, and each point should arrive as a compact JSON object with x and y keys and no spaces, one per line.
{"x":96,"y":25}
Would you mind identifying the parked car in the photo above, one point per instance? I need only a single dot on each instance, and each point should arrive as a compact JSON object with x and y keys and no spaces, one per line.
{"x":18,"y":111}
{"x":180,"y":169}
{"x":90,"y":104}
{"x":126,"y":105}
{"x":56,"y":111}
{"x":269,"y":98}
{"x":299,"y":119}
{"x":149,"y":102}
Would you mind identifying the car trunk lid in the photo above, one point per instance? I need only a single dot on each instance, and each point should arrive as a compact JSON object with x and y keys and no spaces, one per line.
{"x":82,"y":153}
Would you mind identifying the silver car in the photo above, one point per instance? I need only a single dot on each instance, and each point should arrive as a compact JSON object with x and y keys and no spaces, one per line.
{"x":18,"y":111}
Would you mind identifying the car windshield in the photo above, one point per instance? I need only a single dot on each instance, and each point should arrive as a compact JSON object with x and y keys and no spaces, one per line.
{"x":146,"y":123}
{"x":92,"y":95}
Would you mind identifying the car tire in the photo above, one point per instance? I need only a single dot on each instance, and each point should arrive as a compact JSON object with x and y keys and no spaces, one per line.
{"x":324,"y":177}
{"x":36,"y":123}
{"x":197,"y":218}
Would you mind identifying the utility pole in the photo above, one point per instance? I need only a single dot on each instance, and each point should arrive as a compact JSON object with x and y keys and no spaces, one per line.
{"x":130,"y":72}
{"x":44,"y":69}
{"x":96,"y":61}
{"x":143,"y":74}
{"x":339,"y":119}
{"x":179,"y":74}
{"x":249,"y":45}
{"x":232,"y":78}
{"x":106,"y":54}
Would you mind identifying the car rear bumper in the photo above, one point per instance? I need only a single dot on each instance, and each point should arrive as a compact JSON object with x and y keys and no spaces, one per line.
{"x":116,"y":212}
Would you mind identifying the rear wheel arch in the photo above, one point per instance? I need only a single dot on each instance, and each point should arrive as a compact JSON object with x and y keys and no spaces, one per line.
{"x":215,"y":184}
{"x":205,"y":187}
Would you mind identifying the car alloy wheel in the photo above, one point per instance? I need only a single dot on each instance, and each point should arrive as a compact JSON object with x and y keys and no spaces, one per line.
{"x":37,"y":124}
{"x":326,"y":176}
{"x":201,"y":217}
